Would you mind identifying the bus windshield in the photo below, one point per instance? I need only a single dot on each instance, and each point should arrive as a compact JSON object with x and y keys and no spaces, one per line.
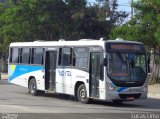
{"x":129,"y":67}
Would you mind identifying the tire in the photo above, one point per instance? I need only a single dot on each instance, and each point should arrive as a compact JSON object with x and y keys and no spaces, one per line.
{"x":40,"y":92}
{"x":33,"y":87}
{"x":117,"y":101}
{"x":82,"y":94}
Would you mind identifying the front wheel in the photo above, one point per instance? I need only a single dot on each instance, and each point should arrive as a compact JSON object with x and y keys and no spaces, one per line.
{"x":82,"y":94}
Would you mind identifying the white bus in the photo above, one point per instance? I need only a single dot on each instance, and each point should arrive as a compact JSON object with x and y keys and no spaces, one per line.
{"x":87,"y":69}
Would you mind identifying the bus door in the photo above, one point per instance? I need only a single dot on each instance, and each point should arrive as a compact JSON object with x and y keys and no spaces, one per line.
{"x":50,"y":70}
{"x":94,"y":73}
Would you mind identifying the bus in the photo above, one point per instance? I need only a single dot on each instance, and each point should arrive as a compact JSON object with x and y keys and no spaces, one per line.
{"x":114,"y":70}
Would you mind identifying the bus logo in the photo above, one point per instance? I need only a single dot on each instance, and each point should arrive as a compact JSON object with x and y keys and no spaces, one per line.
{"x":64,"y":73}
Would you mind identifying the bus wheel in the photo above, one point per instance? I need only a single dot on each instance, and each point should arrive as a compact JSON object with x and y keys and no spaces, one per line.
{"x":33,"y":87}
{"x":117,"y":101}
{"x":82,"y":94}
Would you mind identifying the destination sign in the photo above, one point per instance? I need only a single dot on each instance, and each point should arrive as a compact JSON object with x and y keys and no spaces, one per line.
{"x":125,"y":47}
{"x":128,"y":48}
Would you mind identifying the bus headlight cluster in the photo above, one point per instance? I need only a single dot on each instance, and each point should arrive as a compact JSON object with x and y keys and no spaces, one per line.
{"x":111,"y":86}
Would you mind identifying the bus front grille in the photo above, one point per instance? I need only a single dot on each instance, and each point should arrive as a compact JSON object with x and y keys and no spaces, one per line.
{"x":125,"y":96}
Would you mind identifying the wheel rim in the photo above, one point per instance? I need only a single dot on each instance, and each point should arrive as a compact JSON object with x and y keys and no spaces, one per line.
{"x":83,"y":94}
{"x":33,"y":87}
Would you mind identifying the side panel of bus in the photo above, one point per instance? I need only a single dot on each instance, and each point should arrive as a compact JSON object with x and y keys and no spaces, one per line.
{"x":72,"y":70}
{"x":63,"y":81}
{"x":20,"y":74}
{"x":26,"y":63}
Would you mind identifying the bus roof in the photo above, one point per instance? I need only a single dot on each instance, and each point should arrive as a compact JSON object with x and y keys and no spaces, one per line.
{"x":81,"y":42}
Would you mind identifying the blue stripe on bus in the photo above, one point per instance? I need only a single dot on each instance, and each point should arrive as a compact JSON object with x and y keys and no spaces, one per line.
{"x":18,"y":70}
{"x":121,"y":89}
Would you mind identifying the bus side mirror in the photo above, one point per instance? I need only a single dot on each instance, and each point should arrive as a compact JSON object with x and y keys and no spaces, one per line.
{"x":105,"y":62}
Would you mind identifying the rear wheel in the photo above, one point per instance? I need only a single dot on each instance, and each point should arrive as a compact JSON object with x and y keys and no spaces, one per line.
{"x":82,"y":94}
{"x":33,"y":87}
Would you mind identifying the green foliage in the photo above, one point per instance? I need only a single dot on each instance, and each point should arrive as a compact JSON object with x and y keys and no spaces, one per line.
{"x":144,"y":26}
{"x":29,"y":20}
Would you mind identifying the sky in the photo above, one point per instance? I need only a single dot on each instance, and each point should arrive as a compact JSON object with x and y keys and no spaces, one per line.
{"x":124,"y":5}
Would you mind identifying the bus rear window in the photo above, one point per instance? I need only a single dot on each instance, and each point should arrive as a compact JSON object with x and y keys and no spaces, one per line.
{"x":14,"y":55}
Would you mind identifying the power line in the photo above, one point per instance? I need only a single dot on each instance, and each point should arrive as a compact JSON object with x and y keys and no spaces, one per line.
{"x":122,"y":4}
{"x":132,"y":9}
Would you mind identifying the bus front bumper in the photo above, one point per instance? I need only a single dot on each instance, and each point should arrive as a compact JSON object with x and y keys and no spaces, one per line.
{"x":128,"y":94}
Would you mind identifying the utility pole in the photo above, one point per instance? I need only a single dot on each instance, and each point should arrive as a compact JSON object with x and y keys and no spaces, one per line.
{"x":132,"y":8}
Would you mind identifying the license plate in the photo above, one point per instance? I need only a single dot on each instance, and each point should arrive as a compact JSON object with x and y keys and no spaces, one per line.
{"x":130,"y":98}
{"x":136,"y":90}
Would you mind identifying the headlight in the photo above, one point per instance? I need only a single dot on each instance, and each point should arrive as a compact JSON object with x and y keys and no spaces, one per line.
{"x":111,"y":86}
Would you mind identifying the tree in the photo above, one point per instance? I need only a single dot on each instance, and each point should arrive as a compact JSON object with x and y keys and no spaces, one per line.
{"x":143,"y":26}
{"x":113,"y":16}
{"x":29,"y":20}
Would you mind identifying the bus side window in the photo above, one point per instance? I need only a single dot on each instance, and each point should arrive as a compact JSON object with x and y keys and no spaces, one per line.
{"x":14,"y":55}
{"x":80,"y":57}
{"x":37,"y":54}
{"x":60,"y":56}
{"x":74,"y":58}
{"x":65,"y":56}
{"x":10,"y":57}
{"x":31,"y":55}
{"x":19,"y":55}
{"x":25,"y":55}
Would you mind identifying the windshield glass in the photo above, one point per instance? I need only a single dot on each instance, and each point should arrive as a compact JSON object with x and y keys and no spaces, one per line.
{"x":130,"y":67}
